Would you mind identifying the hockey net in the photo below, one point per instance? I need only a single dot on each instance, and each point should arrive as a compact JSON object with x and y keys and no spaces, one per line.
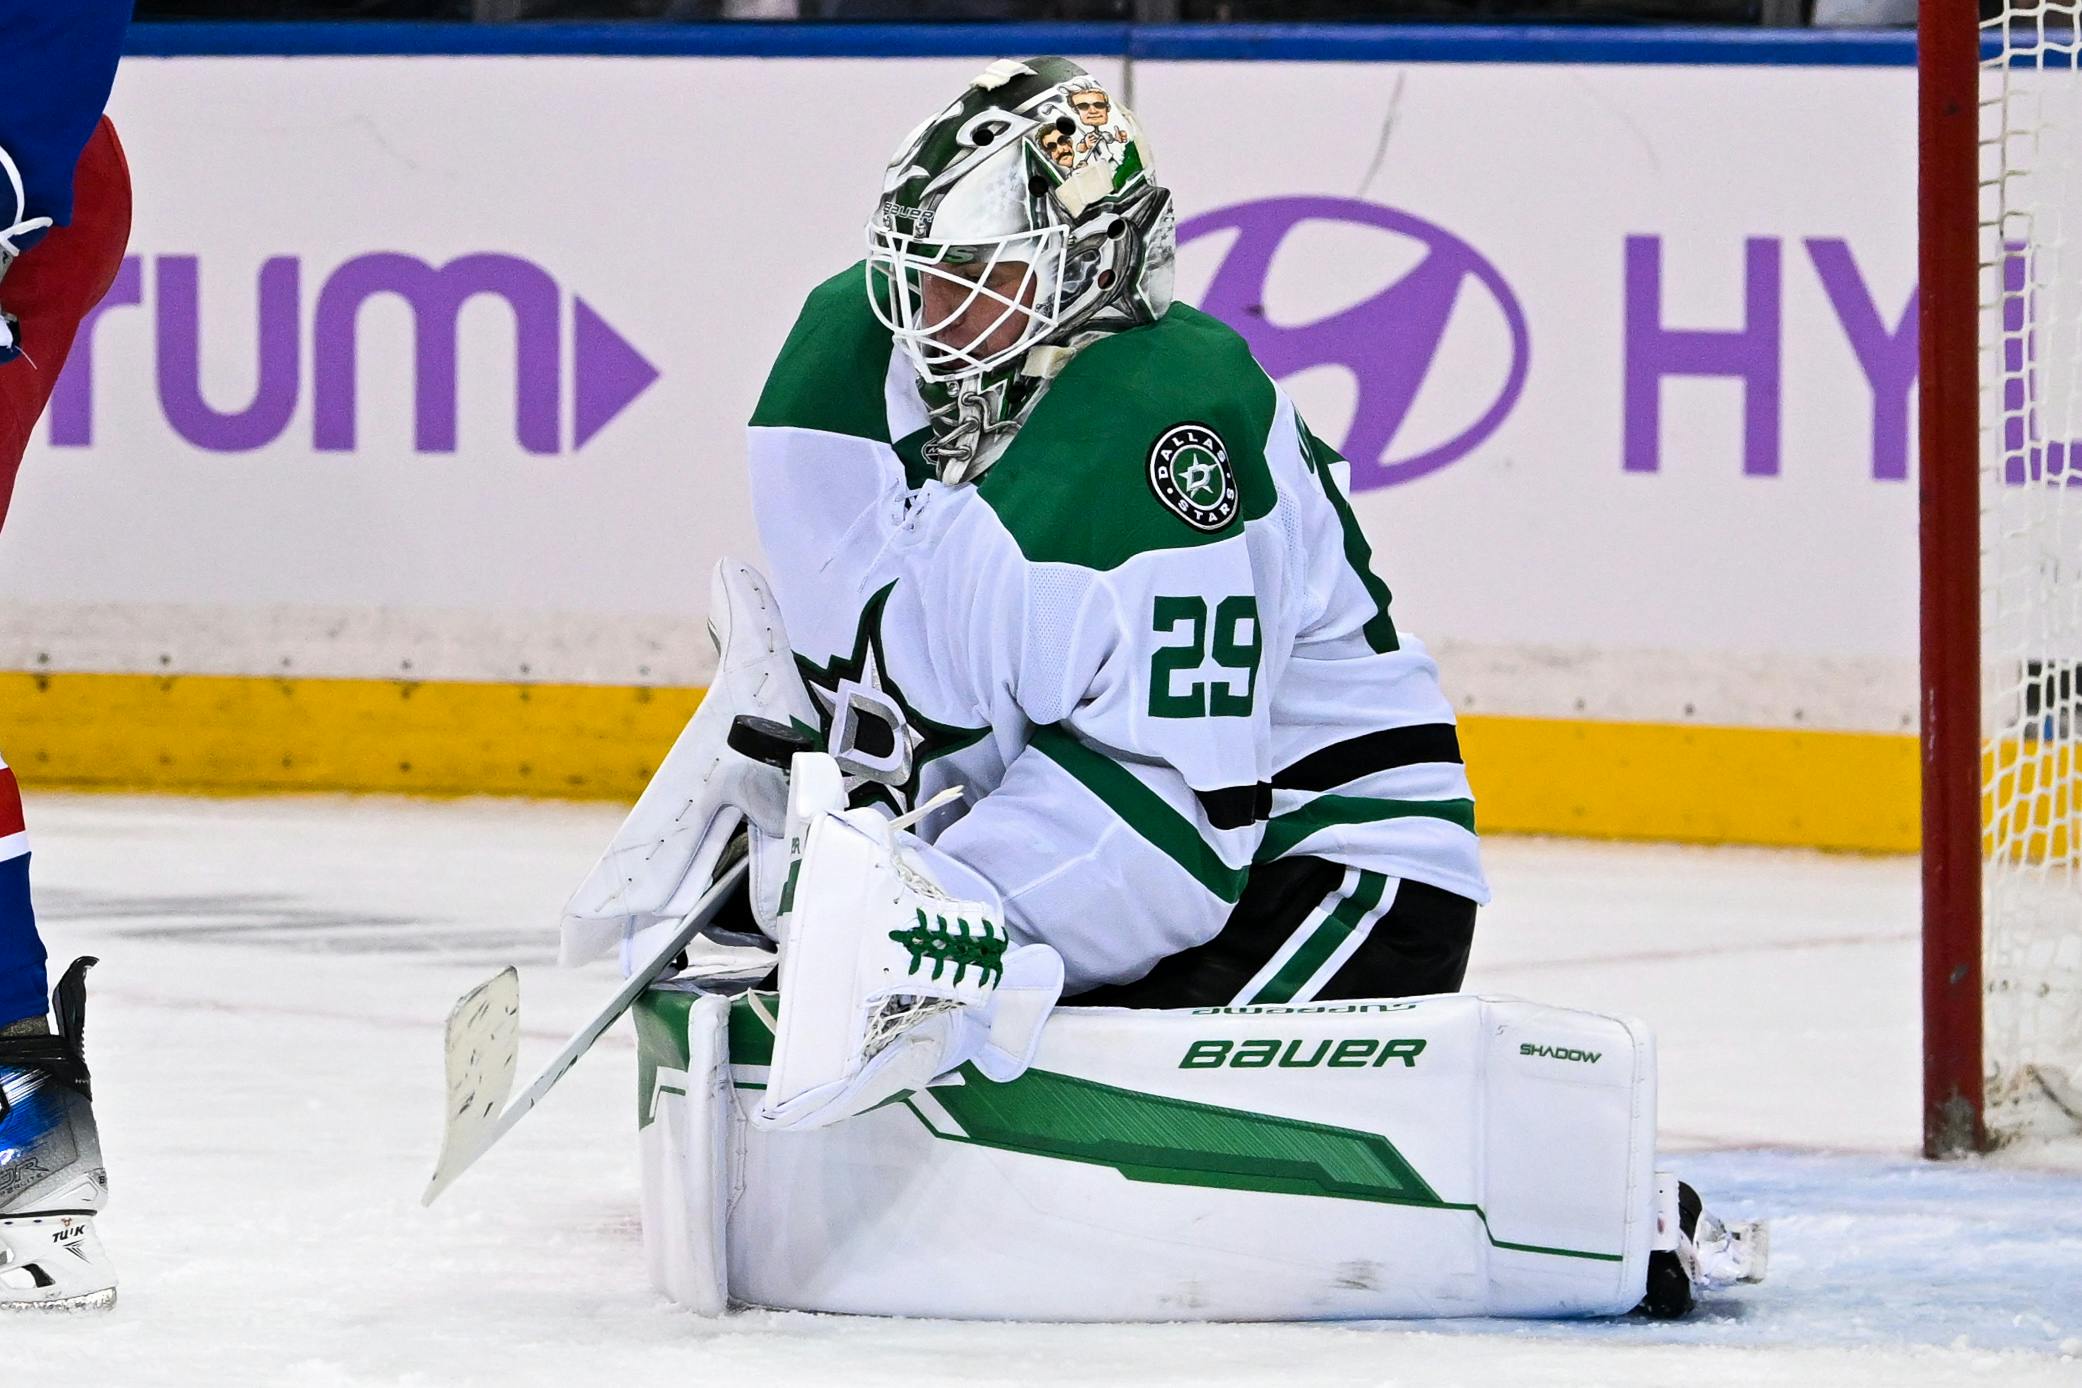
{"x":2030,"y":386}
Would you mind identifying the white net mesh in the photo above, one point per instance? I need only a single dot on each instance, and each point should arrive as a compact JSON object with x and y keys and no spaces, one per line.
{"x":2031,"y":557}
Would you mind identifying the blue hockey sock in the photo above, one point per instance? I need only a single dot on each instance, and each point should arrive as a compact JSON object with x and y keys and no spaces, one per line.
{"x":23,"y":981}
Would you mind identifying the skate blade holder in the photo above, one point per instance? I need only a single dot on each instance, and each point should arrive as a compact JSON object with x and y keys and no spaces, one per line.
{"x":53,"y":1283}
{"x":1726,"y":1254}
{"x":1749,"y":1245}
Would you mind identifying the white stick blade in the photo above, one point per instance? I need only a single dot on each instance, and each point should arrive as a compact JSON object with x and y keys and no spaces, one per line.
{"x":483,"y":1048}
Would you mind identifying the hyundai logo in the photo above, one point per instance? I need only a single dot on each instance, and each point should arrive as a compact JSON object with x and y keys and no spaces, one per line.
{"x":1389,"y":341}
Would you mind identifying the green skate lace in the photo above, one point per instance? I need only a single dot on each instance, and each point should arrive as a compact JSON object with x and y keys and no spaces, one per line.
{"x":943,"y":946}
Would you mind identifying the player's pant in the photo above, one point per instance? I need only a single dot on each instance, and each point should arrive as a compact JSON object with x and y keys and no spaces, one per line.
{"x":49,"y":289}
{"x":53,"y":286}
{"x":1310,"y":930}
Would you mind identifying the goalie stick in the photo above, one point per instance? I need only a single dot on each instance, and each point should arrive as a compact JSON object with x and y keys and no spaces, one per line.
{"x":483,"y":1045}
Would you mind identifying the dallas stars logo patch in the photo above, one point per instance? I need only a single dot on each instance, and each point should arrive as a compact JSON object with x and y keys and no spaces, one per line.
{"x":1190,"y":473}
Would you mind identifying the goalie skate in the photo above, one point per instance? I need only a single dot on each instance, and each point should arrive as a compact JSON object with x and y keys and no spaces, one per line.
{"x":1699,"y":1252}
{"x":52,"y":1182}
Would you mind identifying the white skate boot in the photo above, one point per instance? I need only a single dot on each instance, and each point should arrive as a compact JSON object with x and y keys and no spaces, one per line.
{"x":52,"y":1183}
{"x":888,"y":980}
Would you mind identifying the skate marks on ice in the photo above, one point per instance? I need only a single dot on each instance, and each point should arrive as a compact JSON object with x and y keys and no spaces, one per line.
{"x":268,"y":921}
{"x":382,"y":878}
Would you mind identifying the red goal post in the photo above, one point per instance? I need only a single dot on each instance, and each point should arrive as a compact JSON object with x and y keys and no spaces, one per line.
{"x":2000,"y":325}
{"x":1949,"y":481}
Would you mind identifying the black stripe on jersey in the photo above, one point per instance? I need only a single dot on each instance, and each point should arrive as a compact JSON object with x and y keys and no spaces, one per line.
{"x":1344,"y":762}
{"x":1419,"y":945}
{"x":1236,"y":807}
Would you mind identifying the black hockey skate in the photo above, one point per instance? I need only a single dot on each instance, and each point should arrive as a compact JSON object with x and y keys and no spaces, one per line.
{"x":1706,"y":1254}
{"x":52,"y":1182}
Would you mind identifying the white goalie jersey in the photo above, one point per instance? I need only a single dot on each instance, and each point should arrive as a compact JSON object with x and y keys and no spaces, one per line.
{"x":1148,"y":644}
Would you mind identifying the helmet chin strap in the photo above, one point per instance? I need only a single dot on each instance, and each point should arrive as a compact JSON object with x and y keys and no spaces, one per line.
{"x":959,"y":427}
{"x":973,"y":426}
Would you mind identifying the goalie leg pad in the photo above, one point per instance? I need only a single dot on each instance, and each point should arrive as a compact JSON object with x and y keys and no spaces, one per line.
{"x":1445,"y":1156}
{"x":686,"y":1123}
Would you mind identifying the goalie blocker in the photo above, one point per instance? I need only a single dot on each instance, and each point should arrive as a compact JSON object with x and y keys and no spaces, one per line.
{"x":1448,"y":1156}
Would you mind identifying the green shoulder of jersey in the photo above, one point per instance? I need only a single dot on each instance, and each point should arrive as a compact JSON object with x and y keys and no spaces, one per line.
{"x":1151,"y":439}
{"x":830,"y":372}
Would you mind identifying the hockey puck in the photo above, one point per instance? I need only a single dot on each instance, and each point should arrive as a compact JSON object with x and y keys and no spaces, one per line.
{"x":764,"y":740}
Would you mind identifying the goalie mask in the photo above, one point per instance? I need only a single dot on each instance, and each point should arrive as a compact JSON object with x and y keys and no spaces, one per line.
{"x":1014,"y":227}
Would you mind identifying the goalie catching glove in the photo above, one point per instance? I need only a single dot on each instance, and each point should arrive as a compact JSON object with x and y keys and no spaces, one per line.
{"x":706,"y":791}
{"x":889,"y":979}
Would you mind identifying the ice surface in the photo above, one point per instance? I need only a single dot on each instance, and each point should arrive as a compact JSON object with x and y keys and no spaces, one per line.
{"x":265,"y":1031}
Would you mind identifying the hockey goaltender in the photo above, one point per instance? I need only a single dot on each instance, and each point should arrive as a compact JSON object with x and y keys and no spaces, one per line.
{"x":1096,"y":860}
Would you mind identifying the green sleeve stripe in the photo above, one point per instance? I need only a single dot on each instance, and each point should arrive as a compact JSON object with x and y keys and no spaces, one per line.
{"x":1285,"y":833}
{"x":1142,"y":810}
{"x":1302,"y":965}
{"x":1380,"y":628}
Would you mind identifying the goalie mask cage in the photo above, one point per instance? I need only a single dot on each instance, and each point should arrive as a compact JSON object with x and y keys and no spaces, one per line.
{"x":2000,"y":319}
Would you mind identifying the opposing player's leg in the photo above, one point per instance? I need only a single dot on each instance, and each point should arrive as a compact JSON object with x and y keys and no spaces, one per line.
{"x":52,"y":1182}
{"x":52,"y":287}
{"x":1310,"y":930}
{"x":51,"y":1176}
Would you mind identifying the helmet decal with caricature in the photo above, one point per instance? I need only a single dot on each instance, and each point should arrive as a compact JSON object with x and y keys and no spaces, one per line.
{"x":1015,"y":226}
{"x":1099,"y":134}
